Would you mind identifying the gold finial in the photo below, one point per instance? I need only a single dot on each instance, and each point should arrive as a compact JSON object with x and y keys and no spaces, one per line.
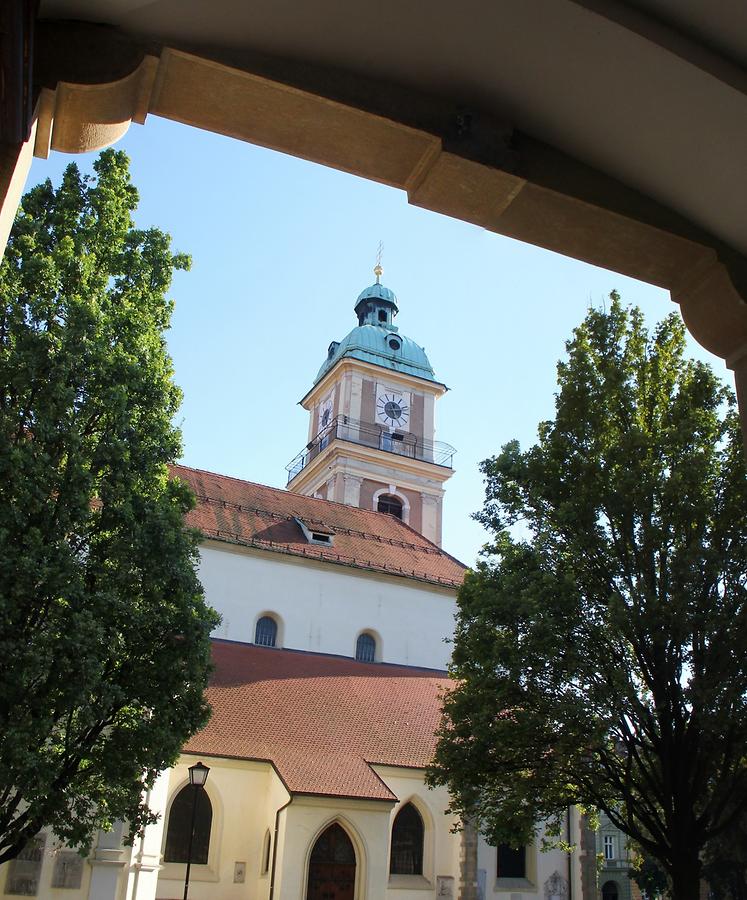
{"x":378,"y":270}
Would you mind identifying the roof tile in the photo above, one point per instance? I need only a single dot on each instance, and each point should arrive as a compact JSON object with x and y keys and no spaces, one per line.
{"x":255,"y":515}
{"x":321,"y":720}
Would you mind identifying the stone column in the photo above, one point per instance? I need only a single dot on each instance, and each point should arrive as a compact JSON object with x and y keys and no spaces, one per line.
{"x":142,"y":879}
{"x":431,"y":519}
{"x":108,"y":862}
{"x":15,"y":162}
{"x":738,"y":364}
{"x":352,"y":490}
{"x":468,"y":862}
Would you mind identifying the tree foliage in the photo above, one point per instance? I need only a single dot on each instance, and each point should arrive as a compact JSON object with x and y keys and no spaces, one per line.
{"x":601,"y":659}
{"x":104,"y":647}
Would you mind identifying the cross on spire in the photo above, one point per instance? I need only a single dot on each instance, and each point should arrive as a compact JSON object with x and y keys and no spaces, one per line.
{"x":378,"y":270}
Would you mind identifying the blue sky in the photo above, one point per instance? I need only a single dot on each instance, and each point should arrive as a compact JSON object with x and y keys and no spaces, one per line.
{"x":281,"y":248}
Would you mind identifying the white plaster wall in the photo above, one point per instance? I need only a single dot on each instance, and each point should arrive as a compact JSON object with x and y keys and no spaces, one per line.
{"x":366,"y":823}
{"x":440,"y":846}
{"x":323,"y":607}
{"x":540,"y":866}
{"x":244,"y":796}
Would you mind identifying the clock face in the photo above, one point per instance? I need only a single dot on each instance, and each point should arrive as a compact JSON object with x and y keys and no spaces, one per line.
{"x":325,"y":413}
{"x":392,"y":409}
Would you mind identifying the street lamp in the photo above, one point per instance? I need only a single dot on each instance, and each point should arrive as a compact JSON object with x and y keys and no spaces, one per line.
{"x":198,"y":774}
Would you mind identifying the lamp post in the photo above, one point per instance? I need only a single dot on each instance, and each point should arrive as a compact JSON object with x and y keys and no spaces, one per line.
{"x":198,"y":774}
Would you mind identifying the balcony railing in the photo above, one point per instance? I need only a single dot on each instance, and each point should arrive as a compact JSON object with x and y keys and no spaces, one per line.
{"x":343,"y":428}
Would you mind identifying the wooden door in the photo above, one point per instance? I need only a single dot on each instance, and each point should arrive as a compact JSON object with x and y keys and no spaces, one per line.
{"x":332,"y":866}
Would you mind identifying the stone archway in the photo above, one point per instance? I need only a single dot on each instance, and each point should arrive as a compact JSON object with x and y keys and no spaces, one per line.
{"x":332,"y":866}
{"x":93,"y":80}
{"x":609,"y":891}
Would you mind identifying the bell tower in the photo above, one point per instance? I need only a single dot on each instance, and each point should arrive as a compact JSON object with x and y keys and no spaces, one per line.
{"x":372,"y":422}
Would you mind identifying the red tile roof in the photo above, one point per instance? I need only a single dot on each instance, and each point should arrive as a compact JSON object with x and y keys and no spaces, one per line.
{"x":254,"y":515}
{"x":321,"y":720}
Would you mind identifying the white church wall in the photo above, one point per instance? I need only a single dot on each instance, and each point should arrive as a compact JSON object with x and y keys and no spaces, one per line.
{"x":541,"y":869}
{"x":323,"y":608}
{"x":440,"y":877}
{"x":242,"y":794}
{"x":366,"y":823}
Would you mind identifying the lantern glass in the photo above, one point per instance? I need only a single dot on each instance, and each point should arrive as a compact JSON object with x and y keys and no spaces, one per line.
{"x":198,"y":774}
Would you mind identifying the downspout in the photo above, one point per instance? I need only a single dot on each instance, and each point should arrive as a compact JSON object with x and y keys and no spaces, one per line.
{"x":275,"y":846}
{"x":570,"y":856}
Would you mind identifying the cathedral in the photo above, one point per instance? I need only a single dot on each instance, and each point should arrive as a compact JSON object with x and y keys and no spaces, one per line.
{"x":337,"y":602}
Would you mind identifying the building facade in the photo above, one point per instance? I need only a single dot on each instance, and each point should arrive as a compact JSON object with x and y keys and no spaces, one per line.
{"x":336,"y":603}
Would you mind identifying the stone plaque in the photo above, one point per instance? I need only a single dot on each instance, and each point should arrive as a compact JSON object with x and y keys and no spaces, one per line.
{"x":68,"y":869}
{"x":25,"y":869}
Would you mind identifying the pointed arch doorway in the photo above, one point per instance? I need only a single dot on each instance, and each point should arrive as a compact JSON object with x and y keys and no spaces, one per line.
{"x":332,"y":866}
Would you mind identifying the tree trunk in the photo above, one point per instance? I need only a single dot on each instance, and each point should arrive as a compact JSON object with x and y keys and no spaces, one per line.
{"x":685,"y":878}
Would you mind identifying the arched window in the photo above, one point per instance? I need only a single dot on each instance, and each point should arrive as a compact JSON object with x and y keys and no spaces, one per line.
{"x":266,"y":632}
{"x":265,"y":867}
{"x":407,"y":842}
{"x":512,"y":861}
{"x":388,"y":503}
{"x":180,"y":819}
{"x":365,"y":648}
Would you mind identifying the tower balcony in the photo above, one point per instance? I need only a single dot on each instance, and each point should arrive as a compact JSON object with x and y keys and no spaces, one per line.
{"x":366,"y":434}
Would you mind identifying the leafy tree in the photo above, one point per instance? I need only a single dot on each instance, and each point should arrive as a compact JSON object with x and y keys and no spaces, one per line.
{"x":601,"y":658}
{"x":650,"y":878}
{"x":725,"y":865}
{"x":104,"y":646}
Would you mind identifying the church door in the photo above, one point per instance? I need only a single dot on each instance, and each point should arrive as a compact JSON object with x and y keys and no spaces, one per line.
{"x":332,"y":866}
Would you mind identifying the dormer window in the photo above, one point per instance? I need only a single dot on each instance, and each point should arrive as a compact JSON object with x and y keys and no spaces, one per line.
{"x":317,"y":536}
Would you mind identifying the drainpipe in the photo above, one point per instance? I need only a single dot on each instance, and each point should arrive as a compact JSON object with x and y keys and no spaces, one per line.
{"x":275,"y":845}
{"x":570,"y":856}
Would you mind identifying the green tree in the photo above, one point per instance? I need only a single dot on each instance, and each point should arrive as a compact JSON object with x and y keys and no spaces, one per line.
{"x":600,"y":654}
{"x":104,"y":634}
{"x":650,"y":878}
{"x":725,"y":865}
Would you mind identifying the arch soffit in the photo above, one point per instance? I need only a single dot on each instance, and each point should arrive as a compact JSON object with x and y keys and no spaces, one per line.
{"x":94,"y":108}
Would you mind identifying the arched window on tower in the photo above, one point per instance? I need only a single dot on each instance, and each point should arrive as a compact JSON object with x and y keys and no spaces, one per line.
{"x":180,"y":819}
{"x":266,"y":632}
{"x":365,"y":648}
{"x":407,"y":842}
{"x":388,"y":503}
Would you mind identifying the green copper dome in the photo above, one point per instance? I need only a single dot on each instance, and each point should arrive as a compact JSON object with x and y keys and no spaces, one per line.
{"x":377,"y":340}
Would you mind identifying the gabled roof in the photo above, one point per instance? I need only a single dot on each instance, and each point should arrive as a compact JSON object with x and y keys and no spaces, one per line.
{"x":320,"y":720}
{"x":254,"y":515}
